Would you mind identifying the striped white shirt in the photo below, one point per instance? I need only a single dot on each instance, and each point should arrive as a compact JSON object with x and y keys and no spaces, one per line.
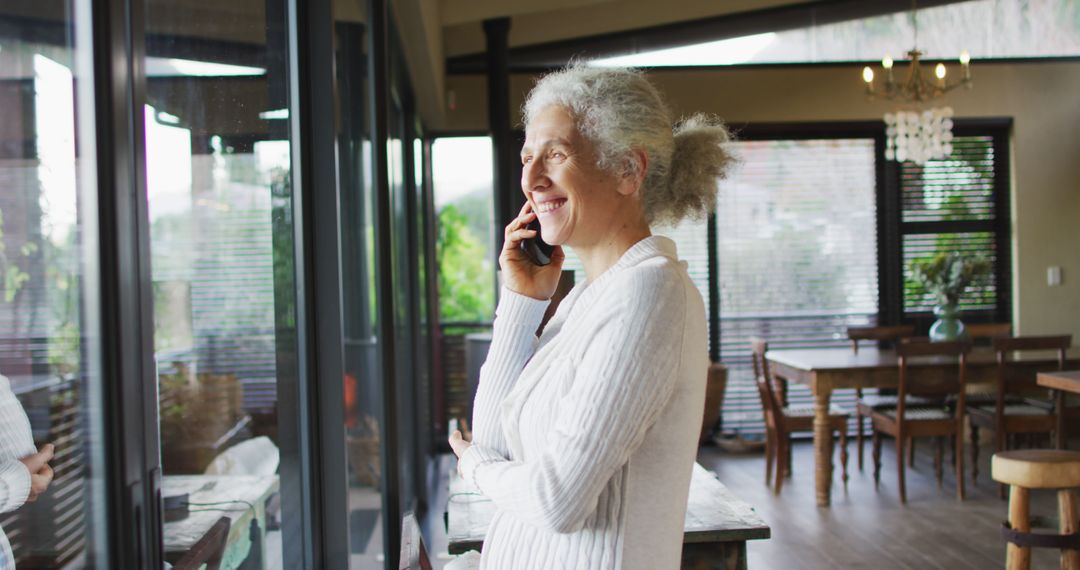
{"x":16,"y":442}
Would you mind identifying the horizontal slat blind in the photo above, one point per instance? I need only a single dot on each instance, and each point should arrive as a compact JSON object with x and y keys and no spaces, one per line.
{"x":949,"y":205}
{"x":960,"y":187}
{"x":796,"y":239}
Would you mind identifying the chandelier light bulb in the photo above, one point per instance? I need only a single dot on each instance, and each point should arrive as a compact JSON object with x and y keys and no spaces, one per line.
{"x":867,"y":74}
{"x":887,"y":62}
{"x":965,"y":57}
{"x":939,"y":71}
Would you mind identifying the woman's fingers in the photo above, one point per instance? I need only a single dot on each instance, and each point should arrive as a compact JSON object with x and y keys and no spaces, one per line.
{"x":518,"y":223}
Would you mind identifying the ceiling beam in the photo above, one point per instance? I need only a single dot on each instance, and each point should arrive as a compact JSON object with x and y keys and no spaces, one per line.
{"x":456,"y":12}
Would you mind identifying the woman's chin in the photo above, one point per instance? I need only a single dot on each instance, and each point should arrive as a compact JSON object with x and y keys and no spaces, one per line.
{"x":553,"y":237}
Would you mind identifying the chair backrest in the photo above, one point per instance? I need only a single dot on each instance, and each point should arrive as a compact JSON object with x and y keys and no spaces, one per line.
{"x":770,"y":403}
{"x":929,"y":384}
{"x":890,"y":333}
{"x":413,"y":554}
{"x":207,"y":550}
{"x":980,"y":331}
{"x":1010,"y":380}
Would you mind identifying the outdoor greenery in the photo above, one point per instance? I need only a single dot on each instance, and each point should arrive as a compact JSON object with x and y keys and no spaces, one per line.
{"x":466,"y":271}
{"x":946,"y":275}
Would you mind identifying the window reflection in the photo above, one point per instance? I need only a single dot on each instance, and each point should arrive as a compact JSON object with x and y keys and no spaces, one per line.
{"x":47,"y":373}
{"x":219,"y":193}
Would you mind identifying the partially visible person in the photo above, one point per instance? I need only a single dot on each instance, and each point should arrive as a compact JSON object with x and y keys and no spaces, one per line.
{"x":24,"y":471}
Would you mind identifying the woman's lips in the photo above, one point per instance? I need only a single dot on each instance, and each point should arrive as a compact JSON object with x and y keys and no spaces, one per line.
{"x":549,"y":206}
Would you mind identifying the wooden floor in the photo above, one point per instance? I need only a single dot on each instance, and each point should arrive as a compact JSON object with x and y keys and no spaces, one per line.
{"x":863,"y":528}
{"x":870,"y":529}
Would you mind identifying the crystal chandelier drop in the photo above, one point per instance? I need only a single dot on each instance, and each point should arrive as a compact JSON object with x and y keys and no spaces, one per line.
{"x":913,"y":133}
{"x":918,"y":137}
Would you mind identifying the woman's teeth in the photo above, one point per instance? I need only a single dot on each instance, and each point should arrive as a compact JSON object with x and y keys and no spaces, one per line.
{"x":545,"y":207}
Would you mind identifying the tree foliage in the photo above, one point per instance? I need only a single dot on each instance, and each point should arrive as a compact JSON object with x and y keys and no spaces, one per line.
{"x":466,"y":270}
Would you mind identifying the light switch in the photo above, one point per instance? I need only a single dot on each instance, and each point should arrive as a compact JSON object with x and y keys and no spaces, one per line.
{"x":1053,"y":276}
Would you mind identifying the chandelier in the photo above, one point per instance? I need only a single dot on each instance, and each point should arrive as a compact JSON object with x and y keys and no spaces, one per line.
{"x":913,"y":133}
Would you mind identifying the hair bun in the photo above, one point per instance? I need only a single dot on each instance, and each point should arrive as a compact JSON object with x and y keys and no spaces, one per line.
{"x":699,"y":159}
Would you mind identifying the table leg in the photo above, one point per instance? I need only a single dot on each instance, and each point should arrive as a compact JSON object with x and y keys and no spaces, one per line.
{"x":714,"y":556}
{"x":1060,"y":435}
{"x":822,"y":446}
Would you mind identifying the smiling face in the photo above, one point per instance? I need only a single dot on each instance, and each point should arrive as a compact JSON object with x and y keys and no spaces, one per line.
{"x":576,"y":202}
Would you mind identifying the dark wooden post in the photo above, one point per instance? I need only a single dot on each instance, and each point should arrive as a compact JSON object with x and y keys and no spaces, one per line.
{"x":507,"y":197}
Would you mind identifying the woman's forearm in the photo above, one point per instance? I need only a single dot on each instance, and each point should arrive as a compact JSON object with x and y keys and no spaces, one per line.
{"x":513,"y":342}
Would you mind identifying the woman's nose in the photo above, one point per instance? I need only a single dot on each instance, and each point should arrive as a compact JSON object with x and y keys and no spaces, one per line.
{"x":533,"y":176}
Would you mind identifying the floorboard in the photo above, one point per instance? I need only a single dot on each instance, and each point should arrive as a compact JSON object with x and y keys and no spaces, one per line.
{"x":865,"y":528}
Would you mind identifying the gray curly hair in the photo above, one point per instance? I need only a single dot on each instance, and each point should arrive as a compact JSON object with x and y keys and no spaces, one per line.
{"x":619,"y":110}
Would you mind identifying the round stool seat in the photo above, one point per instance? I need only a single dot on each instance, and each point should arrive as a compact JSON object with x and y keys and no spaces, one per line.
{"x":1037,"y":468}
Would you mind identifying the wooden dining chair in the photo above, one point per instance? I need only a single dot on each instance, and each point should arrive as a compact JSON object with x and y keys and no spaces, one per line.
{"x":939,"y":420}
{"x":781,"y":421}
{"x":208,"y":551}
{"x":987,"y":331}
{"x":891,"y":334}
{"x":1020,"y":406}
{"x":414,"y":555}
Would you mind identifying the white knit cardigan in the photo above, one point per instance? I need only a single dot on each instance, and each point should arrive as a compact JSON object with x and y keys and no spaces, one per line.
{"x":585,"y":438}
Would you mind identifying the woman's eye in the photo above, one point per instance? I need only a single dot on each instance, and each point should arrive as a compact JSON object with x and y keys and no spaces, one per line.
{"x":558,"y":155}
{"x":526,"y":159}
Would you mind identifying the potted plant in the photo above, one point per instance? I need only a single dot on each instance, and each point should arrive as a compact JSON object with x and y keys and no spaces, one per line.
{"x":946,"y":276}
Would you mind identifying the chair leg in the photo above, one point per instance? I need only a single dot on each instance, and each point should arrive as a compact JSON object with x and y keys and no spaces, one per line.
{"x":900,"y":468}
{"x":844,"y":454}
{"x":770,"y":451}
{"x":960,"y":464}
{"x":787,"y":464}
{"x":1002,"y":445}
{"x":876,"y":439}
{"x":781,"y":462}
{"x":1018,"y":557}
{"x":974,"y":453}
{"x":859,"y":438}
{"x":1069,"y":517}
{"x":939,"y":458}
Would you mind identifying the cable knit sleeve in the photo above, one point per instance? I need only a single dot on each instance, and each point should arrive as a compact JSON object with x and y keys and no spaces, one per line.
{"x":513,"y":341}
{"x":623,"y":381}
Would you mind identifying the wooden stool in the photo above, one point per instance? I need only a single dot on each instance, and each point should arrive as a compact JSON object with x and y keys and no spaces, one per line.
{"x":1027,"y":469}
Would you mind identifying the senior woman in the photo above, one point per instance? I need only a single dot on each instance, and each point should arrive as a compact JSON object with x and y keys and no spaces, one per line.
{"x":585,"y":437}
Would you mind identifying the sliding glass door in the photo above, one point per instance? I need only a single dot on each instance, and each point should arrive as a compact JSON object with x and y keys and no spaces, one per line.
{"x":52,"y":487}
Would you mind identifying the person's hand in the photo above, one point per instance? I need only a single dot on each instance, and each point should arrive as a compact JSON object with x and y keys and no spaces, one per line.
{"x":40,"y":472}
{"x":520,"y":274}
{"x":460,"y":442}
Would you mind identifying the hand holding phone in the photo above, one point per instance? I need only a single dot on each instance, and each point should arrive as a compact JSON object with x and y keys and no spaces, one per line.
{"x":529,"y":266}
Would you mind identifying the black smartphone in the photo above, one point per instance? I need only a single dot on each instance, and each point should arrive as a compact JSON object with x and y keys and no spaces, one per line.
{"x":536,"y":248}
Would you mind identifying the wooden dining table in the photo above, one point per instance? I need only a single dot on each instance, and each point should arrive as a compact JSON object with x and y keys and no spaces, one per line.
{"x":826,"y":370}
{"x":1060,"y":382}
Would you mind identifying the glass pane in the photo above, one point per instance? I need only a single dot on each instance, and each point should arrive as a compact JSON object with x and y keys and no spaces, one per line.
{"x":222,"y":260}
{"x":50,"y":364}
{"x":960,"y":187}
{"x":461,"y":172}
{"x":797,"y":242}
{"x":996,"y":29}
{"x":465,"y":205}
{"x":363,"y":373}
{"x":981,"y":295}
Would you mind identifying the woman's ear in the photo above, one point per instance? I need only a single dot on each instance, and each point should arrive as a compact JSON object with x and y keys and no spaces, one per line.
{"x":637,"y":164}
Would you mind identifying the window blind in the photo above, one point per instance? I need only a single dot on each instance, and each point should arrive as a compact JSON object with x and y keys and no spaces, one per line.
{"x":951,"y":205}
{"x":797,"y":249}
